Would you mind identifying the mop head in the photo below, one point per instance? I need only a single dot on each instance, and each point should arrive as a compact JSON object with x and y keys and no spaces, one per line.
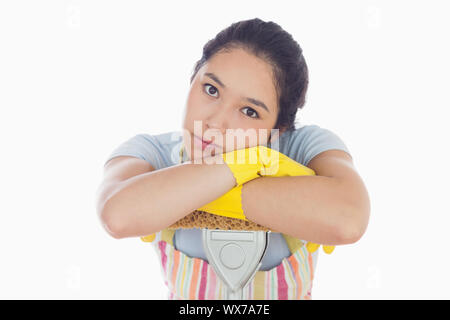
{"x":203,"y":219}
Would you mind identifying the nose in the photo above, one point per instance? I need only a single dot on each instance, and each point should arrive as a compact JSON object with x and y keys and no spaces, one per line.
{"x":216,"y":125}
{"x":218,"y":120}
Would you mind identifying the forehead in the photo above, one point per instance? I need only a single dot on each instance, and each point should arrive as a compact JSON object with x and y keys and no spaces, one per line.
{"x":243,"y":75}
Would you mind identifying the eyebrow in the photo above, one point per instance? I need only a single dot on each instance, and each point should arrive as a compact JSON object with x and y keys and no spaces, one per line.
{"x":252,"y":100}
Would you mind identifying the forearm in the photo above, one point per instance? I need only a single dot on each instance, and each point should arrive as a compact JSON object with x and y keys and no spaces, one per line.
{"x":152,"y":201}
{"x":311,"y":208}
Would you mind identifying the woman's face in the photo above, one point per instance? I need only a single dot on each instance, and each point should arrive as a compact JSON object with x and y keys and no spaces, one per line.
{"x":232,"y":102}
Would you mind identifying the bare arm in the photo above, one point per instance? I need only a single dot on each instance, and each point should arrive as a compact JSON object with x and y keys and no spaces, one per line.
{"x":332,"y":207}
{"x":149,"y":202}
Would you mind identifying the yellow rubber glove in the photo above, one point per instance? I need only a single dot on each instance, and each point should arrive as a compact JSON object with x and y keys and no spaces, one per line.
{"x":149,"y":238}
{"x":276,"y":164}
{"x":268,"y":162}
{"x":251,"y":163}
{"x":228,"y":205}
{"x":245,"y":164}
{"x":311,"y":247}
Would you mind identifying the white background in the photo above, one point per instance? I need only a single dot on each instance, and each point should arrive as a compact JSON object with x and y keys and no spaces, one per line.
{"x":78,"y":78}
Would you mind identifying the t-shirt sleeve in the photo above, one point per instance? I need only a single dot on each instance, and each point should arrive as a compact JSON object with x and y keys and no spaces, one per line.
{"x":310,"y":140}
{"x":142,"y":146}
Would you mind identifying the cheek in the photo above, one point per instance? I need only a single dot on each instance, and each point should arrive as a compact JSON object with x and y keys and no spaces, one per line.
{"x":190,"y":112}
{"x":195,"y":107}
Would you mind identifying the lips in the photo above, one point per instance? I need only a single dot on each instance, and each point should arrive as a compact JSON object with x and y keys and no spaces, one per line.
{"x":204,"y":144}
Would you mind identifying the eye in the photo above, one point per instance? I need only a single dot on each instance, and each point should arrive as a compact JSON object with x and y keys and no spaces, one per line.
{"x":214,"y":90}
{"x":209,"y":90}
{"x":252,"y":111}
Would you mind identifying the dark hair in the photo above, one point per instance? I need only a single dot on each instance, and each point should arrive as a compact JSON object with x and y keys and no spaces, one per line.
{"x":267,"y":40}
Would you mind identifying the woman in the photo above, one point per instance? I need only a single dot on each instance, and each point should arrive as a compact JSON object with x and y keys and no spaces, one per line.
{"x":252,"y":77}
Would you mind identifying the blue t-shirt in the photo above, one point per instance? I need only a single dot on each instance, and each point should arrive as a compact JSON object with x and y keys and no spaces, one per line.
{"x":162,"y":150}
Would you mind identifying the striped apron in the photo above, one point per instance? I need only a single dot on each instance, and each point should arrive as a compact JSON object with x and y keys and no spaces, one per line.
{"x":190,"y":278}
